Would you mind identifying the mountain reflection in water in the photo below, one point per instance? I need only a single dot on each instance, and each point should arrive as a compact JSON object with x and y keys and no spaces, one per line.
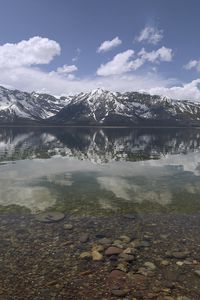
{"x":93,"y":170}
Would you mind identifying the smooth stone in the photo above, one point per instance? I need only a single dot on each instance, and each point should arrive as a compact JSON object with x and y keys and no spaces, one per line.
{"x":144,"y":271}
{"x":178,"y":254}
{"x":119,"y":293}
{"x":116,"y":274}
{"x":98,"y":248}
{"x":118,"y":245}
{"x":129,"y":251}
{"x":140,"y":244}
{"x":96,"y":256}
{"x":165,"y":263}
{"x":183,"y":298}
{"x":100,"y":236}
{"x":122,"y":268}
{"x":130,"y":216}
{"x":68,"y":226}
{"x":197,"y":272}
{"x":126,"y":257}
{"x":113,"y":250}
{"x":105,"y":241}
{"x":179,"y":263}
{"x":84,"y":255}
{"x":50,"y":217}
{"x":125,"y":239}
{"x":150,"y":265}
{"x":84,"y":238}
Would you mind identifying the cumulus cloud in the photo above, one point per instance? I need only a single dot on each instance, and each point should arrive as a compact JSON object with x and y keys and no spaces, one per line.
{"x":36,"y":50}
{"x":151,"y":35}
{"x":118,"y":65}
{"x":65,"y":69}
{"x":193,"y":64}
{"x":187,"y":91}
{"x":108,"y":45}
{"x":162,"y":54}
{"x":123,"y":62}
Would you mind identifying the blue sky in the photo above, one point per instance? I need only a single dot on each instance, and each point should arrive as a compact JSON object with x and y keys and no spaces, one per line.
{"x":68,"y":46}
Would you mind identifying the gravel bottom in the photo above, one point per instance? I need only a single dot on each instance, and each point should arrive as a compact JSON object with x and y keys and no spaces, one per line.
{"x":154,"y":256}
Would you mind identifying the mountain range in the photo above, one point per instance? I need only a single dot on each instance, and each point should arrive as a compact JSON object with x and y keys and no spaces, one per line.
{"x":96,"y":108}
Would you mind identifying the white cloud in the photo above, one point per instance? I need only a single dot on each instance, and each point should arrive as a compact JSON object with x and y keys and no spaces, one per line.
{"x":118,"y":65}
{"x":187,"y":91}
{"x":78,"y":53}
{"x":108,"y":45}
{"x":162,"y":54}
{"x":36,"y":50}
{"x":65,"y":69}
{"x":193,"y":64}
{"x":150,"y":35}
{"x":122,"y":63}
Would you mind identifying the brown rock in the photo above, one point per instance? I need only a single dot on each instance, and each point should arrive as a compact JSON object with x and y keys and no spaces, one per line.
{"x":113,"y":251}
{"x":84,"y":238}
{"x":119,"y":293}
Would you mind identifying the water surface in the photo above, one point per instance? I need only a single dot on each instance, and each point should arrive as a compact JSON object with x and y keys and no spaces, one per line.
{"x":100,"y":171}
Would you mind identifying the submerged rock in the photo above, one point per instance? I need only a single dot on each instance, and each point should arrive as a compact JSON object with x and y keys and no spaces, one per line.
{"x":178,"y":254}
{"x":68,"y":226}
{"x":84,"y":238}
{"x":197,"y":272}
{"x":50,"y":217}
{"x":96,"y":256}
{"x":119,"y":293}
{"x":113,"y":251}
{"x":149,"y":265}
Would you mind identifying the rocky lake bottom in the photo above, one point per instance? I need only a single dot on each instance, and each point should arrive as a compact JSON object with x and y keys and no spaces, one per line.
{"x":147,"y":256}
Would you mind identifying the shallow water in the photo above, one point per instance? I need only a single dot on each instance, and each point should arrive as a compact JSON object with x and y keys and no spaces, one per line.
{"x":92,"y":171}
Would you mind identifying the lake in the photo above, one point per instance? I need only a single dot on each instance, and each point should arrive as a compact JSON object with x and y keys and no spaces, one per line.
{"x":100,"y":171}
{"x":134,"y":189}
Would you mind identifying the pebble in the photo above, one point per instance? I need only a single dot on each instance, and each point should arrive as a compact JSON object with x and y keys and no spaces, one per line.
{"x":113,"y":251}
{"x":125,"y":239}
{"x":116,"y":274}
{"x":119,"y":293}
{"x":96,"y":256}
{"x":85,"y":255}
{"x":130,"y":216}
{"x":84,"y":238}
{"x":129,"y":251}
{"x":197,"y":272}
{"x":122,"y":267}
{"x":105,"y":241}
{"x":164,"y":263}
{"x":68,"y":226}
{"x":150,"y":265}
{"x":178,"y":254}
{"x":98,"y":248}
{"x":126,"y":257}
{"x":50,"y":217}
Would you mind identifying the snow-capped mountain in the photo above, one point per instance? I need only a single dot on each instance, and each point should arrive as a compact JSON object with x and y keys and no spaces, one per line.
{"x":98,"y":107}
{"x":16,"y":105}
{"x":131,"y":108}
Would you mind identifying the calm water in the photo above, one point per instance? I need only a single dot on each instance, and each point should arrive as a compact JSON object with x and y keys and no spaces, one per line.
{"x":100,"y":171}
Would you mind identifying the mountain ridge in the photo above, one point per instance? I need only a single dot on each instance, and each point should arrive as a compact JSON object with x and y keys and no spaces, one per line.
{"x":99,"y":107}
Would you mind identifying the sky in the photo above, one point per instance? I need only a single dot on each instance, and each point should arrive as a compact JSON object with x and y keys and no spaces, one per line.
{"x":70,"y":46}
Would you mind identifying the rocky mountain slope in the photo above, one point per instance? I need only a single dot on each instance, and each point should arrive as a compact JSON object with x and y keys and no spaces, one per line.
{"x":99,"y":107}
